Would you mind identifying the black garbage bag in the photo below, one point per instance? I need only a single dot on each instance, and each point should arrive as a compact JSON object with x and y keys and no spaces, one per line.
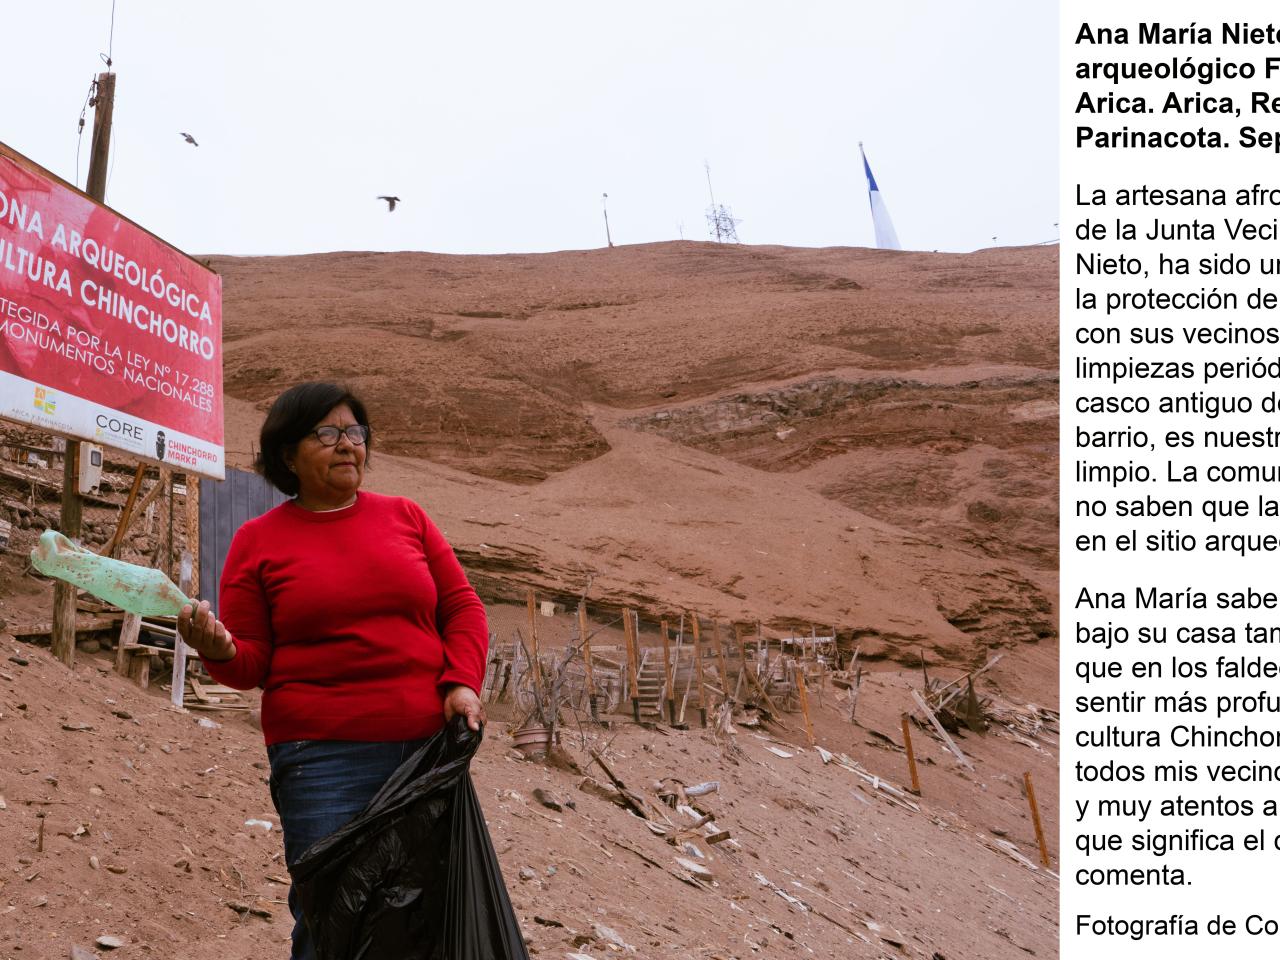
{"x":414,"y":876}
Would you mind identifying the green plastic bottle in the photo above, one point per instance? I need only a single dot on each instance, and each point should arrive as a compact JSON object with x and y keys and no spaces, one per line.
{"x":141,"y":590}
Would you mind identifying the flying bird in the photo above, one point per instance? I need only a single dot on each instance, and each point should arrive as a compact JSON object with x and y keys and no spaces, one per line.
{"x":391,"y":203}
{"x":190,"y":139}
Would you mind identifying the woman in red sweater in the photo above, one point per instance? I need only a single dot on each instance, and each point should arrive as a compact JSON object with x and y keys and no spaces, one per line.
{"x":351,"y":612}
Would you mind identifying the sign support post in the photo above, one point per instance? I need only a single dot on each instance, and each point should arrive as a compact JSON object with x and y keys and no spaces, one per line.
{"x":63,"y":640}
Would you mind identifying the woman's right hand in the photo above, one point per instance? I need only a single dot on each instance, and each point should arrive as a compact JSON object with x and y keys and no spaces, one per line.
{"x":201,"y":630}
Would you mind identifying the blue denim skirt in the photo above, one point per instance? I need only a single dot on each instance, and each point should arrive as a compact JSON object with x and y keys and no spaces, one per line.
{"x":318,"y":786}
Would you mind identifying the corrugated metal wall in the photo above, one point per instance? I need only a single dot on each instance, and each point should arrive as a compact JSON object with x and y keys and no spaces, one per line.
{"x":224,"y":506}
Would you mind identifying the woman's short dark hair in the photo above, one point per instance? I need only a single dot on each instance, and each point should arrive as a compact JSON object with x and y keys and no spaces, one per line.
{"x":294,"y":415}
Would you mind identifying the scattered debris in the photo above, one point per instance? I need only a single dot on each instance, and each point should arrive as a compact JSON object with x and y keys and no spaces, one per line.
{"x":697,"y":869}
{"x":611,"y":936}
{"x":244,"y":908}
{"x":550,"y":802}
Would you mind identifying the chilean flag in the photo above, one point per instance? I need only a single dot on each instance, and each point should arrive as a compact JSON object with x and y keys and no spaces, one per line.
{"x":886,"y":236}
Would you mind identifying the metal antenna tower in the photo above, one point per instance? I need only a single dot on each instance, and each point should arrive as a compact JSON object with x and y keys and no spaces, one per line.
{"x":605,"y":203}
{"x":720,"y":219}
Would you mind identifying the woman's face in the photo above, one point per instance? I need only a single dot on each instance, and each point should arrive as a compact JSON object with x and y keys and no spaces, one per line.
{"x":329,"y":475}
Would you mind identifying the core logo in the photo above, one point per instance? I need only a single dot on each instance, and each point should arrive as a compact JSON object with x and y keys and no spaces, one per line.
{"x":119,"y":427}
{"x":44,"y":401}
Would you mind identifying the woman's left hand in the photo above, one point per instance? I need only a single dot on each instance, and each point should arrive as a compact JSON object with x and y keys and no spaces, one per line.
{"x":463,"y":700}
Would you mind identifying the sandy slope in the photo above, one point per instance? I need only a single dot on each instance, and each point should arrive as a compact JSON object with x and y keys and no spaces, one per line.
{"x":617,"y":414}
{"x":842,"y":437}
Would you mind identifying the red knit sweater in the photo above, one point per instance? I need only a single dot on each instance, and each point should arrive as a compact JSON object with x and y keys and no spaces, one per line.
{"x":351,"y":621}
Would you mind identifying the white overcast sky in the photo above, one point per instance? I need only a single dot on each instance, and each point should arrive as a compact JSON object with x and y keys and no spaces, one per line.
{"x":500,"y":124}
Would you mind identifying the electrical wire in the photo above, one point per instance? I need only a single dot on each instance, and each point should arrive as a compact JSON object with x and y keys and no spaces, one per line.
{"x":88,"y":98}
{"x":111,"y":36}
{"x":111,"y":40}
{"x":114,"y":149}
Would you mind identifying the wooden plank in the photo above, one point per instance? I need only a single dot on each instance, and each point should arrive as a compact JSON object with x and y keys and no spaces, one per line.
{"x":44,"y":628}
{"x":200,"y":693}
{"x":857,"y":683}
{"x":1035,"y":818}
{"x":533,"y":640}
{"x":666,"y":666}
{"x":946,"y":738}
{"x":635,"y":802}
{"x":798,"y":670}
{"x":201,"y":705}
{"x":50,"y":485}
{"x":724,"y":673}
{"x":629,"y":632}
{"x":971,"y":676}
{"x":128,"y":636}
{"x":586,"y":652}
{"x":697,"y":659}
{"x":127,"y":513}
{"x":751,"y":677}
{"x":179,"y":672}
{"x":742,"y":650}
{"x":192,"y":509}
{"x":140,"y":670}
{"x":139,"y":509}
{"x":911,"y":755}
{"x":148,"y":648}
{"x":218,"y":689}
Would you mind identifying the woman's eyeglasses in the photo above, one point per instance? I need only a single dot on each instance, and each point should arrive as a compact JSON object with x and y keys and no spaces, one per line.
{"x":357,"y":433}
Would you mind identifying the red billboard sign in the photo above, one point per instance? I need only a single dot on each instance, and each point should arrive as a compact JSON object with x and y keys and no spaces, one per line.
{"x":107,"y":333}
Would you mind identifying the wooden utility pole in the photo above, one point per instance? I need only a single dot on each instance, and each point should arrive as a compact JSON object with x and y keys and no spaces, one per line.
{"x":697,"y":659}
{"x":103,"y":103}
{"x":63,"y":639}
{"x":666,"y":664}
